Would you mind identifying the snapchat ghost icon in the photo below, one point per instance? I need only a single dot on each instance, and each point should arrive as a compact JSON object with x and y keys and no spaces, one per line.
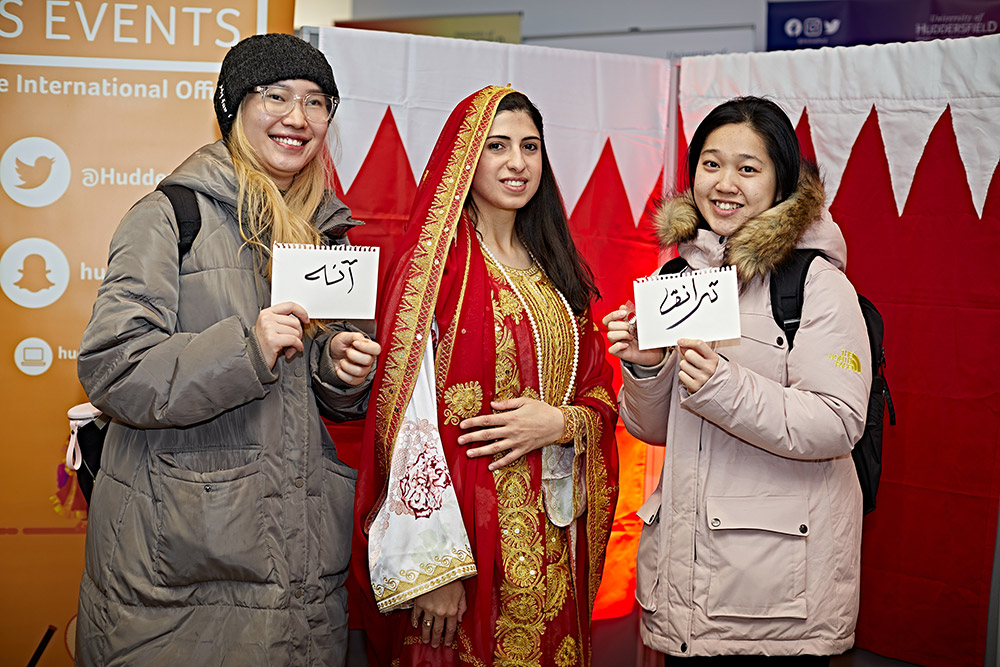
{"x":34,"y":273}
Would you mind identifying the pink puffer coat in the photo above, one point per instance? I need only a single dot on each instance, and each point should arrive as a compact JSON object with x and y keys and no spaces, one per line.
{"x":751,"y":542}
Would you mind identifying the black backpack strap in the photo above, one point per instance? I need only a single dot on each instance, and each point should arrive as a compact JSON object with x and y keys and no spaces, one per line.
{"x":788,"y":283}
{"x":675,"y":265}
{"x":186,"y":211}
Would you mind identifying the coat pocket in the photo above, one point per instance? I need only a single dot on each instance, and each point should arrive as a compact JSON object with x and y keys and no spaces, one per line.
{"x":647,"y":559}
{"x":210,"y":525}
{"x":760,"y":348}
{"x":338,"y":513}
{"x":758,"y":556}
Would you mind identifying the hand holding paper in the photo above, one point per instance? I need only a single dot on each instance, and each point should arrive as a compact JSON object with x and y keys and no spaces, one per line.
{"x":279,"y":329}
{"x":701,"y":304}
{"x":330,"y":282}
{"x":697,"y":363}
{"x":353,"y":356}
{"x":622,"y":336}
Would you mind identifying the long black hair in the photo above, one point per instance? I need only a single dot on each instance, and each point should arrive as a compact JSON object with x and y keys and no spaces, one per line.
{"x":542,"y":226}
{"x":773,"y":127}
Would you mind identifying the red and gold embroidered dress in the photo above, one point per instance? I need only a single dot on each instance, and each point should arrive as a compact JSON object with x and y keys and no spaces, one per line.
{"x":528,"y":540}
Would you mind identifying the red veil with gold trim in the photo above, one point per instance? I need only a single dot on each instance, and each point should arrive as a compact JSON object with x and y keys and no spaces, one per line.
{"x":439,"y":272}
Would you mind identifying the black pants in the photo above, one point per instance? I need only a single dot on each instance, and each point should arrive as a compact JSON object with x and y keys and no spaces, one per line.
{"x":749,"y":661}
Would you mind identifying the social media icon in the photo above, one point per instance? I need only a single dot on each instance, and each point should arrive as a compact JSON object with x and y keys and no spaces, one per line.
{"x":813,"y":27}
{"x":793,"y":27}
{"x":33,"y":356}
{"x":34,"y":273}
{"x":34,"y":172}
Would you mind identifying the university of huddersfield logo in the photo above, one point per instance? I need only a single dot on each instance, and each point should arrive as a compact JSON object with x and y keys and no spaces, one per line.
{"x":847,"y":360}
{"x":34,"y":172}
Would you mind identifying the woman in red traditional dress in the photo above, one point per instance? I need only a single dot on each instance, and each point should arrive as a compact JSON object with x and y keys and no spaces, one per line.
{"x":489,"y":472}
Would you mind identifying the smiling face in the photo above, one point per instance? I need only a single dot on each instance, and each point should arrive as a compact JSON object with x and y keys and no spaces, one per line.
{"x":284,"y":144}
{"x":510,"y":167}
{"x":735,"y":179}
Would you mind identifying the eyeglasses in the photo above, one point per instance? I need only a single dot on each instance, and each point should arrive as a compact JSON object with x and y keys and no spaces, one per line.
{"x":279,"y":101}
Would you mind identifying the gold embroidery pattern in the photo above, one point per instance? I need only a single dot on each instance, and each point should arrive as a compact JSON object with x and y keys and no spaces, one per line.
{"x":465,"y":655}
{"x":412,"y":583}
{"x":535,"y":555}
{"x":571,"y":419}
{"x":442,"y":360}
{"x":602,"y":395}
{"x":537,"y":582}
{"x":465,"y":652}
{"x":508,"y":373}
{"x":566,"y":655}
{"x":520,"y":622}
{"x":508,"y":306}
{"x":462,"y":401}
{"x":599,"y":508}
{"x":404,"y":349}
{"x":555,"y":329}
{"x":558,"y":579}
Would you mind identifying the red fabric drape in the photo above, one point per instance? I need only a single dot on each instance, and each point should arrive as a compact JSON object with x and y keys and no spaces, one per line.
{"x":927,"y":550}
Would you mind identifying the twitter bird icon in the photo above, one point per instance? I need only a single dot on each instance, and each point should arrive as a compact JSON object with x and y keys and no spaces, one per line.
{"x":34,"y":175}
{"x":34,"y":171}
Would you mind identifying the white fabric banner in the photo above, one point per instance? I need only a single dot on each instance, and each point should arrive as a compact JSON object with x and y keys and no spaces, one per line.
{"x":585,"y":98}
{"x":910,"y":85}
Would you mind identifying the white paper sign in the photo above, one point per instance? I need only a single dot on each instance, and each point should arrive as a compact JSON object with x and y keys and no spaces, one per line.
{"x":330,"y":282}
{"x":701,"y":304}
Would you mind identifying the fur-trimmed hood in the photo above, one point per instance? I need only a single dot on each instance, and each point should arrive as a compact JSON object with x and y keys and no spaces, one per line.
{"x":763,"y":242}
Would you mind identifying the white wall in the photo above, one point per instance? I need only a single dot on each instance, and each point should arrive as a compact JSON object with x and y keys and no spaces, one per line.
{"x":659,"y":28}
{"x":322,"y":12}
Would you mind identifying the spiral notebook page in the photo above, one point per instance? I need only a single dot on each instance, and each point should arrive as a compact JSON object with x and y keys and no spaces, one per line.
{"x":330,"y":282}
{"x":702,"y":304}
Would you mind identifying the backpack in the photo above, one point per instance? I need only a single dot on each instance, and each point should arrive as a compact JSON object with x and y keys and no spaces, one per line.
{"x":87,"y":436}
{"x":787,"y":290}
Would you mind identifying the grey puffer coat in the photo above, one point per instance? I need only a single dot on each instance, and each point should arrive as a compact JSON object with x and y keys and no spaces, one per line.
{"x":751,"y":542}
{"x":219,"y":530}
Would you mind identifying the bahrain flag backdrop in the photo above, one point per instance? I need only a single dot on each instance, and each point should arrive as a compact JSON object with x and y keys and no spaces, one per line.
{"x":908,"y":138}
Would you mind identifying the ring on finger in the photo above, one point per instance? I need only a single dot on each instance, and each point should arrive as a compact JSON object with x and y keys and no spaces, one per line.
{"x":428,"y":622}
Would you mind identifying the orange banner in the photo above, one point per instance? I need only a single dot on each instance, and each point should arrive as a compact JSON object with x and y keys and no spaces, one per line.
{"x":100,"y":101}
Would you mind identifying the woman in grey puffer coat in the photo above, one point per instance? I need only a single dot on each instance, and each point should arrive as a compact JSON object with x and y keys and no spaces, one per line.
{"x":220,"y":525}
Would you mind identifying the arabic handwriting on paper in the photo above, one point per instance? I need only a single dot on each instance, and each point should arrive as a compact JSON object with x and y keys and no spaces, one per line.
{"x":315,"y":275}
{"x":712,"y":296}
{"x":700,"y":304}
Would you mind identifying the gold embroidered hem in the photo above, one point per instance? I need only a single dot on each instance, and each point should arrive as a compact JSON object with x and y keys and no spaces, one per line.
{"x":390,"y":593}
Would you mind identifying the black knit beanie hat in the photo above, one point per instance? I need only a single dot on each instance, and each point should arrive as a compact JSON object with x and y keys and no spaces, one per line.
{"x":260,"y":60}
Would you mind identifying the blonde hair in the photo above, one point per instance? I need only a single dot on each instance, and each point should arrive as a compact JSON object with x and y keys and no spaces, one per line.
{"x":265,"y":214}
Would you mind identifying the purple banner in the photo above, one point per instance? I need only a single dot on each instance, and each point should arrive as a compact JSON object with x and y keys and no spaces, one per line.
{"x":807,"y":25}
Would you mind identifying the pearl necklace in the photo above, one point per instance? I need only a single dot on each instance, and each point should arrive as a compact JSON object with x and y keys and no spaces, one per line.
{"x":534,"y":326}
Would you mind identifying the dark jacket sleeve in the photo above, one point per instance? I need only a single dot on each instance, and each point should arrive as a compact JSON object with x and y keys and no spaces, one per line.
{"x":133,"y":363}
{"x":337,"y":400}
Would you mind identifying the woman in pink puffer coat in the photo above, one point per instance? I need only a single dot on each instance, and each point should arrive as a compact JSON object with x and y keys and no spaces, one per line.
{"x":751,"y":541}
